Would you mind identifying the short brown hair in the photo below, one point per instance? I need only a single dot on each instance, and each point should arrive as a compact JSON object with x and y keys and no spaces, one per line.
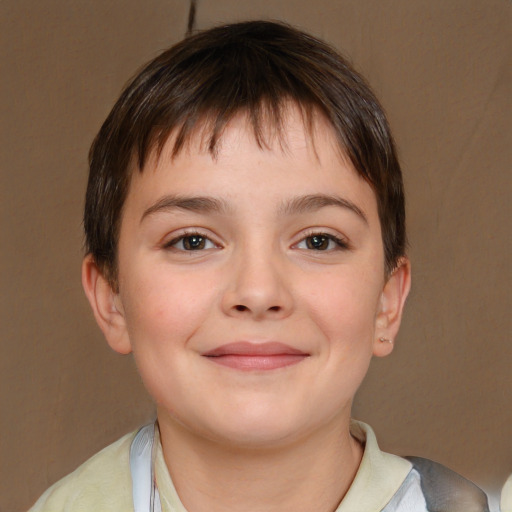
{"x":255,"y":67}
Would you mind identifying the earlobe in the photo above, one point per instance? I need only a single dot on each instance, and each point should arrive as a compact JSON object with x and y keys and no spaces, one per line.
{"x":106,"y":306}
{"x":391,"y":307}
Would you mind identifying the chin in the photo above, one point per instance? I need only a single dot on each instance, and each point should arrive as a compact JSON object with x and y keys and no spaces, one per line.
{"x":256,"y":429}
{"x":257,"y":439}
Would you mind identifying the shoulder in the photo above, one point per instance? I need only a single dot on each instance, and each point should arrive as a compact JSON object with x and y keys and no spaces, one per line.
{"x":391,"y":483}
{"x":445,"y":490}
{"x":506,"y":496}
{"x":101,"y":483}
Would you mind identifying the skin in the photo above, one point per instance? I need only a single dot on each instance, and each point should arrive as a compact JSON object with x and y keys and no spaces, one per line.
{"x":256,"y":277}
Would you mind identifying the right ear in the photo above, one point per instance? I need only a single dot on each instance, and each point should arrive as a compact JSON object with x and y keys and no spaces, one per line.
{"x":106,"y":306}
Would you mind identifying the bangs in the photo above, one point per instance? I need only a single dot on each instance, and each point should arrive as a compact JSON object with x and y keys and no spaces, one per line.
{"x":268,"y":124}
{"x":202,"y":94}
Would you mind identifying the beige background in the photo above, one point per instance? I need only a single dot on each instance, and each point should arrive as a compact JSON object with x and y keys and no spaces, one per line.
{"x":442,"y":70}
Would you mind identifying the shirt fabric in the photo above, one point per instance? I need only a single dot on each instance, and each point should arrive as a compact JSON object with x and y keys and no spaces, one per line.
{"x":383,"y":482}
{"x":506,"y":496}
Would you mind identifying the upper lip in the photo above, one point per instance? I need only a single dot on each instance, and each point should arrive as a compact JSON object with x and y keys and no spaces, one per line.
{"x":247,"y":348}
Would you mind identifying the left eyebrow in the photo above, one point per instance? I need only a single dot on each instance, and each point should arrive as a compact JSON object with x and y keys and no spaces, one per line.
{"x":190,"y":203}
{"x":311,"y":203}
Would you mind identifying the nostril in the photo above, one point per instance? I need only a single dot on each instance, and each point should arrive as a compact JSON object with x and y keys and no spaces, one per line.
{"x":242,"y":308}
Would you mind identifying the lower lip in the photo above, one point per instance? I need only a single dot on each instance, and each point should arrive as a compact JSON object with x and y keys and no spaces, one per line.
{"x":257,"y":362}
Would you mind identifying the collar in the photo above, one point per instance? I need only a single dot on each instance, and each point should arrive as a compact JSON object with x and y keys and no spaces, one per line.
{"x":379,"y":475}
{"x":378,"y":478}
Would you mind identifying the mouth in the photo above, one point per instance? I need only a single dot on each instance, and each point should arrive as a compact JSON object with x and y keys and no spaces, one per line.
{"x":255,"y":356}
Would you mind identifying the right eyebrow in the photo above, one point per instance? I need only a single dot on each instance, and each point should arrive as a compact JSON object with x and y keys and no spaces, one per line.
{"x":197,"y":204}
{"x":314,"y":202}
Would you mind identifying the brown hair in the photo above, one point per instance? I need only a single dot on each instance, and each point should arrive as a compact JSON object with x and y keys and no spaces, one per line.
{"x":255,"y":67}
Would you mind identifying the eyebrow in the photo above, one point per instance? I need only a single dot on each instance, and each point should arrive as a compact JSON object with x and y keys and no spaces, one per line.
{"x":296,"y":205}
{"x":193,"y":204}
{"x":311,"y":203}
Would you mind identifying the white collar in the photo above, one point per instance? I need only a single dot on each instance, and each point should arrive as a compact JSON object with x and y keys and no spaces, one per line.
{"x":378,"y":478}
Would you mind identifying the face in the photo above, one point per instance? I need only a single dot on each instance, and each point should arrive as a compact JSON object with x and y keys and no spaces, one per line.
{"x":251,"y":286}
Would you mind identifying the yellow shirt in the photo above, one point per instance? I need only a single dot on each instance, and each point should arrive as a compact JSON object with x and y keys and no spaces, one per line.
{"x":506,"y":496}
{"x":103,"y":483}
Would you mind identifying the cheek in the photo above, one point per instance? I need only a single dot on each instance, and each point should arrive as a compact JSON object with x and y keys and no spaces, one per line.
{"x":345,"y":314}
{"x":163,"y":307}
{"x":345,"y":309}
{"x":163,"y":311}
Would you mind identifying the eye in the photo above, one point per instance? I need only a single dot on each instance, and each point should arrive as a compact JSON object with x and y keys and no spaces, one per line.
{"x":322,"y":242}
{"x":191,"y":242}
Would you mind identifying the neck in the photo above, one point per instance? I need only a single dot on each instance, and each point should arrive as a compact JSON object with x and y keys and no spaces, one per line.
{"x":312,"y":473}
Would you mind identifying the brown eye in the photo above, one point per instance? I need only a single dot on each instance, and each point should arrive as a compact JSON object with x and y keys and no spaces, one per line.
{"x":322,"y":242}
{"x":194,"y":242}
{"x":318,"y":242}
{"x":191,"y":242}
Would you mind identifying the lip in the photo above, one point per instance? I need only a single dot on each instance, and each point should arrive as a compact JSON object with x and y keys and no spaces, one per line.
{"x":249,"y":356}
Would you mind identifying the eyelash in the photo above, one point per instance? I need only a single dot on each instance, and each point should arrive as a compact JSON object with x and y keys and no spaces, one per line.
{"x":171,"y":244}
{"x":341,"y":244}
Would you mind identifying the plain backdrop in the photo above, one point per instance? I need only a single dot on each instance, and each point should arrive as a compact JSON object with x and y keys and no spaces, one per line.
{"x":442,"y":70}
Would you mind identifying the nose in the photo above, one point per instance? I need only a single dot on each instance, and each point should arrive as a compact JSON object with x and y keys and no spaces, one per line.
{"x":258,"y":287}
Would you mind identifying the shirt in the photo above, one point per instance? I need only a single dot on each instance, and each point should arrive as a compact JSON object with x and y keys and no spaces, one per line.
{"x":383,"y":482}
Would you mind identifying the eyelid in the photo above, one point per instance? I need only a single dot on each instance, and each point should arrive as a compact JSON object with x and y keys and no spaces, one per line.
{"x":341,"y":240}
{"x":169,"y":242}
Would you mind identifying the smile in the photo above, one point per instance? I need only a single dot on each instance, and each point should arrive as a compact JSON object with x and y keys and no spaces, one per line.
{"x":256,"y":356}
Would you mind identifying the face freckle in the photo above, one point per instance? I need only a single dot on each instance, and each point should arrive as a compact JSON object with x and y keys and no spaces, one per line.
{"x":251,"y":283}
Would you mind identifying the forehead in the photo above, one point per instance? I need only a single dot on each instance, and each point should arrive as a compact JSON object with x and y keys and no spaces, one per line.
{"x":297,"y":157}
{"x":269,"y":124}
{"x":290,"y":128}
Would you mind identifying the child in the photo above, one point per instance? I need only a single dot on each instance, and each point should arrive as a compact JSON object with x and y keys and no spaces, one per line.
{"x":245,"y":234}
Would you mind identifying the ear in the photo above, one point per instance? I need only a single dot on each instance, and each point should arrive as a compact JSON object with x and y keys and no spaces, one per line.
{"x":391,"y":306}
{"x":106,"y":306}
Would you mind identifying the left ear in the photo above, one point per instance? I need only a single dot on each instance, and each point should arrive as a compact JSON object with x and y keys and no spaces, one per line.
{"x":391,"y":306}
{"x":106,"y":306}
